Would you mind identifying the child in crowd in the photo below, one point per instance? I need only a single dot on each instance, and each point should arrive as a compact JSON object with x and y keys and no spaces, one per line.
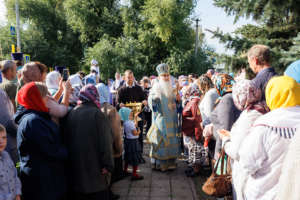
{"x":131,"y":144}
{"x":10,"y":185}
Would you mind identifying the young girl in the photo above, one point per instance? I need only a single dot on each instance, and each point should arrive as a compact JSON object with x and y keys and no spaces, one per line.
{"x":131,"y":144}
{"x":10,"y":185}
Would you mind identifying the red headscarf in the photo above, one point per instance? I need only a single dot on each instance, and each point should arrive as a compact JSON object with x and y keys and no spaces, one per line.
{"x":30,"y":97}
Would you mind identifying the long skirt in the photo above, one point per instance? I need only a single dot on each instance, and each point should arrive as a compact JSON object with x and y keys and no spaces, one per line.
{"x":197,"y":153}
{"x":133,"y":152}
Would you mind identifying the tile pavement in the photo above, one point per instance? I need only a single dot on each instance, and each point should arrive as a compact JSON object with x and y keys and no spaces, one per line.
{"x":171,"y":185}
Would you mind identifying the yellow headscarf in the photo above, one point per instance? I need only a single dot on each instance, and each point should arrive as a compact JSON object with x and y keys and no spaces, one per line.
{"x":282,"y":92}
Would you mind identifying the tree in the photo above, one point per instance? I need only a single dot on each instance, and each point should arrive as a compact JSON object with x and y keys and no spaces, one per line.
{"x":278,"y":24}
{"x":94,"y":18}
{"x":47,"y":36}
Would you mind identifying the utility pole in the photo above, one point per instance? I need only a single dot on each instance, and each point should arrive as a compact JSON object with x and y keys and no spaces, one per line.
{"x":197,"y":37}
{"x":18,"y":27}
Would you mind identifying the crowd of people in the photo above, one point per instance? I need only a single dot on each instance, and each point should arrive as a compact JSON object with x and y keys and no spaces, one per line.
{"x":73,"y":138}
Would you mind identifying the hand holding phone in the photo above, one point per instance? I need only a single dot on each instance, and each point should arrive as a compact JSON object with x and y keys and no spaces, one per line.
{"x":65,"y":74}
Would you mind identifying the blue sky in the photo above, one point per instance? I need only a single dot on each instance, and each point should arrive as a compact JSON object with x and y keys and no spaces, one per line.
{"x":211,"y":18}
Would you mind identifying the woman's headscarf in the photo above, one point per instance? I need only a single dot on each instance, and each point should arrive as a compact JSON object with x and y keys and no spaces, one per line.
{"x":31,"y":72}
{"x":30,"y":97}
{"x":52,"y":80}
{"x":75,"y":79}
{"x":89,"y":93}
{"x":124,"y":113}
{"x":293,"y":70}
{"x":103,"y":91}
{"x":282,"y":92}
{"x":194,"y":92}
{"x":246,"y":96}
{"x":74,"y":97}
{"x":223,"y":84}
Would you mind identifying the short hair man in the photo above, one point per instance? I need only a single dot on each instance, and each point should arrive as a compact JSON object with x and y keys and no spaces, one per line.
{"x":259,"y":59}
{"x":9,"y":73}
{"x":132,"y":92}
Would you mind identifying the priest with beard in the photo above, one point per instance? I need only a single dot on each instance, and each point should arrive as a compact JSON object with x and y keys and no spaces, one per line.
{"x":163,"y":134}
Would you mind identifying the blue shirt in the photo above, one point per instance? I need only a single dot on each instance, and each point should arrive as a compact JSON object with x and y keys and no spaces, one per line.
{"x":129,"y":127}
{"x":10,"y":185}
{"x":262,"y":78}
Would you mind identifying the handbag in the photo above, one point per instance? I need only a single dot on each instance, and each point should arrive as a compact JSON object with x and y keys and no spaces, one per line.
{"x":218,"y":185}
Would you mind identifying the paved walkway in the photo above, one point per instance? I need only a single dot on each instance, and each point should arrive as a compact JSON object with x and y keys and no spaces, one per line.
{"x":171,"y":185}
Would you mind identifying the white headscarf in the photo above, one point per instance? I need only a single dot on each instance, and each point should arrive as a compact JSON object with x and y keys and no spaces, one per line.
{"x":52,"y":80}
{"x":75,"y":80}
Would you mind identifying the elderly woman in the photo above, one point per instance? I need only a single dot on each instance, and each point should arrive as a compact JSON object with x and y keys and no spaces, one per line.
{"x":263,"y":151}
{"x":89,"y":141}
{"x":111,"y":113}
{"x":192,"y":133}
{"x":6,"y":119}
{"x":246,"y":98}
{"x":42,"y":154}
{"x":36,"y":71}
{"x":225,"y":113}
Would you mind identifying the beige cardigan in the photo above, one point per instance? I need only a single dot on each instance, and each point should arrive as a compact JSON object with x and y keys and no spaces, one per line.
{"x":111,"y":113}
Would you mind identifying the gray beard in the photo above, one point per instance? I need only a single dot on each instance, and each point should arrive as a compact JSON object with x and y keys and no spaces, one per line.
{"x":166,"y":88}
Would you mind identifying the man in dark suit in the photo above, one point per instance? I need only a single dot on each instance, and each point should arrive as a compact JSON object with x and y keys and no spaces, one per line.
{"x":132,"y":92}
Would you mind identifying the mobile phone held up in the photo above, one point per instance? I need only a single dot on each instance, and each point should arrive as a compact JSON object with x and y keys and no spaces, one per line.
{"x":65,"y":74}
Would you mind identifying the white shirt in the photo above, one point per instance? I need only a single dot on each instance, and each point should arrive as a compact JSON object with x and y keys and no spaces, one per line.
{"x":129,"y":127}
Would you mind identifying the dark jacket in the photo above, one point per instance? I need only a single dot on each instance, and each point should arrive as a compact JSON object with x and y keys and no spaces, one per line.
{"x":42,"y":156}
{"x":223,"y":117}
{"x":130,"y":94}
{"x":262,"y":78}
{"x":89,"y":142}
{"x":191,"y":119}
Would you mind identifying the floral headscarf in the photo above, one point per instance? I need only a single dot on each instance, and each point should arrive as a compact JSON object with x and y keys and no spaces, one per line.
{"x":89,"y":93}
{"x":194,"y":92}
{"x":247,"y":97}
{"x":223,"y":84}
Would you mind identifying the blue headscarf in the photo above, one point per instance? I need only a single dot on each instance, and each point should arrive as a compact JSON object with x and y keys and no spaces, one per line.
{"x":293,"y":71}
{"x":124,"y":113}
{"x":89,"y":79}
{"x":103,"y":91}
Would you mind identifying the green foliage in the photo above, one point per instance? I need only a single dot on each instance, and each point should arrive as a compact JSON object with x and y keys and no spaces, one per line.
{"x":93,"y":18}
{"x":154,"y":32}
{"x":278,"y":23}
{"x":47,"y":37}
{"x":138,"y":37}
